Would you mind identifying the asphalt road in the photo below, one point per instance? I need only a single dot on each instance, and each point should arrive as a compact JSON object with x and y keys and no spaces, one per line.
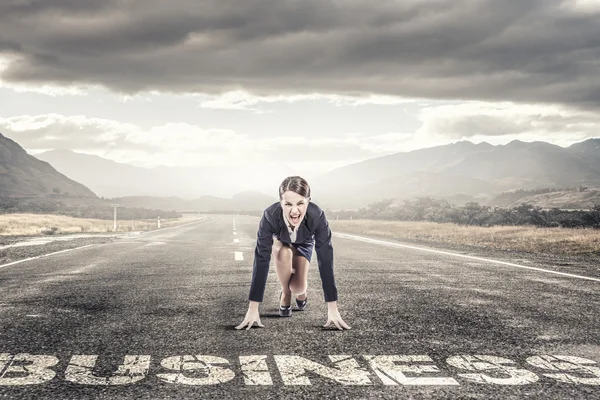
{"x":153,"y":317}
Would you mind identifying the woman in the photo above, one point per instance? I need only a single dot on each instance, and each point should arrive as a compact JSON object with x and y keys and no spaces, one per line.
{"x":289,"y":229}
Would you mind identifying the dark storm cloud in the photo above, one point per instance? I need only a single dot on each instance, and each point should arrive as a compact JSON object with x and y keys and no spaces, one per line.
{"x":26,"y":8}
{"x":526,"y":50}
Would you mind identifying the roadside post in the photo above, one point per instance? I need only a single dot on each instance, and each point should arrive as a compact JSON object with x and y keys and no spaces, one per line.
{"x":115,"y":217}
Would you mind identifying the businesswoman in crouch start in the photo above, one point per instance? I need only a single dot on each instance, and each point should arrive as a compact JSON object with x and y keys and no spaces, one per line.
{"x":289,"y":229}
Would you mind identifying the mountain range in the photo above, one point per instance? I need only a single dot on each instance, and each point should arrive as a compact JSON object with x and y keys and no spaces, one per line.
{"x":464,"y":171}
{"x":458,"y":172}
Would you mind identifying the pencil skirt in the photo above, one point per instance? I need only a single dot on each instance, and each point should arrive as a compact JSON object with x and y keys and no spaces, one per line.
{"x":305,"y":249}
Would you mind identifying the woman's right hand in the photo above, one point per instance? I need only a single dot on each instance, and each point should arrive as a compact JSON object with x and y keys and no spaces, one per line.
{"x":251,"y":317}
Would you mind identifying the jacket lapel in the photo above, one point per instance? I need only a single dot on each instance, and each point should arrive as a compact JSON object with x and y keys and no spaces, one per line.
{"x":303,"y":232}
{"x":284,"y":235}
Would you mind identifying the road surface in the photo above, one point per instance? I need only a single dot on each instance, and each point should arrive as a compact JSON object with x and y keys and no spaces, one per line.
{"x":153,"y":317}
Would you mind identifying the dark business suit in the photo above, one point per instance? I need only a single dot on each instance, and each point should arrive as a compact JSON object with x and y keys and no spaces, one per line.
{"x":314,"y":224}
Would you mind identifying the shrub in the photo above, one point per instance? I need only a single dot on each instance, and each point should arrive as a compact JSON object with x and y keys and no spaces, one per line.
{"x":50,"y":231}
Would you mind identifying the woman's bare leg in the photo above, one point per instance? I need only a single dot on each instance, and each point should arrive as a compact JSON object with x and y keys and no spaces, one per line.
{"x":299,"y":280}
{"x":282,"y":254}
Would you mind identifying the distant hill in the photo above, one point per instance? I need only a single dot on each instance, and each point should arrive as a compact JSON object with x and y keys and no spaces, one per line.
{"x":572,"y":200}
{"x":590,"y":147}
{"x":455,"y":188}
{"x":463,"y":171}
{"x":21,"y":175}
{"x":108,"y":178}
{"x":537,"y":163}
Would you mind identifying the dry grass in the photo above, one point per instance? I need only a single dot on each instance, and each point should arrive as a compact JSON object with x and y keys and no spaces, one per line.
{"x":37,"y":224}
{"x":517,"y":238}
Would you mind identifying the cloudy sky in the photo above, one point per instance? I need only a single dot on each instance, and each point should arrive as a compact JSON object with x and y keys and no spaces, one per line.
{"x":314,"y":84}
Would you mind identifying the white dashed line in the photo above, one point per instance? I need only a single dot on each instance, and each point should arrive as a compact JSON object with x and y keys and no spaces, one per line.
{"x":239,"y":256}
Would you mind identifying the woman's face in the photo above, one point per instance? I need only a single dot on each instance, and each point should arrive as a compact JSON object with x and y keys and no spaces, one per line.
{"x":294,"y":206}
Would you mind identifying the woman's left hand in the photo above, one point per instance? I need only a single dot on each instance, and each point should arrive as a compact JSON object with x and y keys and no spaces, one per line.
{"x":333,"y":316}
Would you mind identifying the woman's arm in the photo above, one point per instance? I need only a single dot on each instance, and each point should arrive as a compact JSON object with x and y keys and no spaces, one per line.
{"x":324,"y":249}
{"x":262,"y":259}
{"x":334,"y":317}
{"x":260,"y":271}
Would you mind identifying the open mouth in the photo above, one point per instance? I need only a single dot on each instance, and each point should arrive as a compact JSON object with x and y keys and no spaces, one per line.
{"x":295,"y":219}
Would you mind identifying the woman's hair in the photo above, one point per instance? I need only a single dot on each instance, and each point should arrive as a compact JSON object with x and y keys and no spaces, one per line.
{"x":296,"y":184}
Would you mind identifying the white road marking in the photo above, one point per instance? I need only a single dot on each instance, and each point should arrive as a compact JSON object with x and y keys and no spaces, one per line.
{"x":235,"y":233}
{"x":495,"y":365}
{"x":383,"y":242}
{"x":35,"y":369}
{"x":346,"y":370}
{"x":205,"y":364}
{"x":239,"y":256}
{"x":80,"y":370}
{"x":27,"y":369}
{"x":391,"y":373}
{"x":581,"y":366}
{"x":255,"y":370}
{"x":236,"y":240}
{"x":36,"y":241}
{"x":45,"y":255}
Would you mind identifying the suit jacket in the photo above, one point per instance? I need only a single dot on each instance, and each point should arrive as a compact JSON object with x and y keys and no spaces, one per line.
{"x":314,"y":226}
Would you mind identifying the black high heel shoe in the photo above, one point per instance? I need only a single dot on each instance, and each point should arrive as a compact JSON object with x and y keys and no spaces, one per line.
{"x":301,"y":303}
{"x":284,"y":311}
